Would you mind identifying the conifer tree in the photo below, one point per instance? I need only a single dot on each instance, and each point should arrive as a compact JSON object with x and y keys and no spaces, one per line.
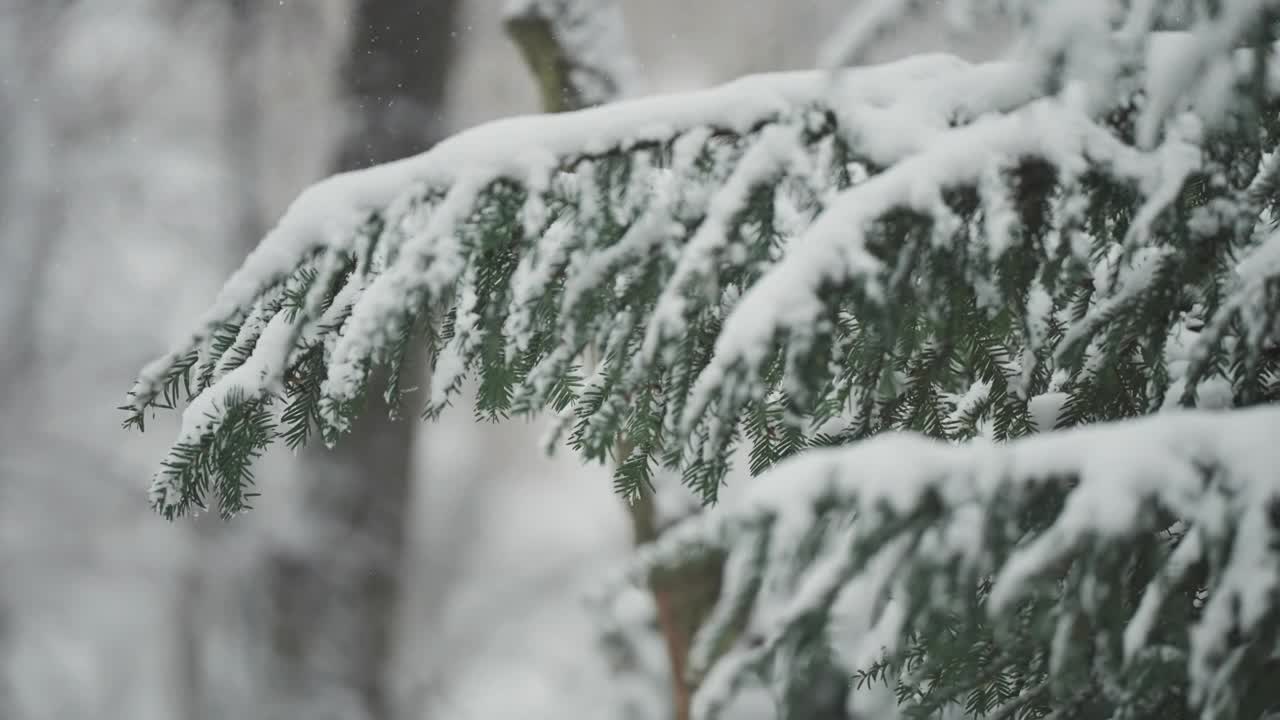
{"x":1001,"y":339}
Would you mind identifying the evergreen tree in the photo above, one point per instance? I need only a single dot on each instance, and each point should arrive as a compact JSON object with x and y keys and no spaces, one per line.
{"x":894,"y":273}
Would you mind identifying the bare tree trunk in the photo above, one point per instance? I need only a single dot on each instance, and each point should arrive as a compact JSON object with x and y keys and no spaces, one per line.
{"x":336,"y":598}
{"x":395,"y":79}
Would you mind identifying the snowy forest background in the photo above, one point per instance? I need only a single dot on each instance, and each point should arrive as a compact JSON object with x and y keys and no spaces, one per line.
{"x":144,"y":145}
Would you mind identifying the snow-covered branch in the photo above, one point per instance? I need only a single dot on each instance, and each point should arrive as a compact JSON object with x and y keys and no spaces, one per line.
{"x":328,"y":216}
{"x":1055,"y":519}
{"x":515,"y":236}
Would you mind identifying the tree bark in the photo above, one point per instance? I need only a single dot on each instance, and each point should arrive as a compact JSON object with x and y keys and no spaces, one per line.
{"x":684,"y":597}
{"x":336,"y":598}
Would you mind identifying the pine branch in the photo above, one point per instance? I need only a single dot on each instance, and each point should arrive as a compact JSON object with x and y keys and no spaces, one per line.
{"x":461,"y":252}
{"x":957,"y":509}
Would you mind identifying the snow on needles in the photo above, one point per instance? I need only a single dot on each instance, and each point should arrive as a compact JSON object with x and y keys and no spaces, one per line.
{"x":834,"y":249}
{"x":933,"y":121}
{"x":1217,"y":471}
{"x":327,"y":215}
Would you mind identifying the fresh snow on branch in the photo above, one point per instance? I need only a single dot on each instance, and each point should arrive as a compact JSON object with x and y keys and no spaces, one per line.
{"x":416,"y":234}
{"x":328,"y":216}
{"x":1092,"y":42}
{"x":834,"y":249}
{"x":933,"y":521}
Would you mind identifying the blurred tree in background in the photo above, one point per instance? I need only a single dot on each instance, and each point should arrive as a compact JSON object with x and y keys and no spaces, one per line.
{"x":337,"y":596}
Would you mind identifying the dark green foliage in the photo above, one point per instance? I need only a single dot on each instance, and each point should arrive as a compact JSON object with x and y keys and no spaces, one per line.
{"x":302,"y":414}
{"x":176,"y":384}
{"x":246,"y":427}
